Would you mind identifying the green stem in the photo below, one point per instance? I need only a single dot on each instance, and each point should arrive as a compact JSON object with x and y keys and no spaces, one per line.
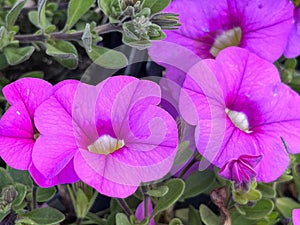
{"x":125,"y":206}
{"x":185,"y":170}
{"x":34,"y":197}
{"x":146,"y":200}
{"x":106,"y":28}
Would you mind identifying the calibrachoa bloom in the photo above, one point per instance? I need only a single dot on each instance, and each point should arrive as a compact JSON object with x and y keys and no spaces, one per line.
{"x":261,"y":26}
{"x":293,"y":48}
{"x":114,"y":133}
{"x":18,"y":133}
{"x":240,"y":170}
{"x":251,"y":113}
{"x":296,"y":216}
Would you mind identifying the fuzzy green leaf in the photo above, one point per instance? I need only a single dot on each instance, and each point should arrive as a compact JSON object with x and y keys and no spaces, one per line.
{"x":44,"y":216}
{"x":261,"y":209}
{"x":158,"y":192}
{"x":13,"y":14}
{"x":76,"y":10}
{"x":15,"y":55}
{"x":20,"y":176}
{"x":42,"y":21}
{"x":176,"y":189}
{"x":286,"y":205}
{"x":21,"y":193}
{"x":175,"y":221}
{"x":194,"y":216}
{"x":155,"y":5}
{"x":198,"y":182}
{"x":122,"y":219}
{"x":209,"y":217}
{"x":64,"y":52}
{"x":108,"y":58}
{"x":45,"y":194}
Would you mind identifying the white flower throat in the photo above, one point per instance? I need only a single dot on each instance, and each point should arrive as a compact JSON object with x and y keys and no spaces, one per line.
{"x":228,"y":38}
{"x":106,"y":145}
{"x":239,"y":119}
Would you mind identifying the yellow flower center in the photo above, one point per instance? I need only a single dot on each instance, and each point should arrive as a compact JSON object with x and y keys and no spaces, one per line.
{"x":239,"y":119}
{"x":228,"y":38}
{"x":106,"y":145}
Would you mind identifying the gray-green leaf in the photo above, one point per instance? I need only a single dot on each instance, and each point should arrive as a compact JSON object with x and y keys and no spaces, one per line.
{"x":208,"y":217}
{"x":45,"y":194}
{"x":76,"y":10}
{"x":155,"y":5}
{"x":42,"y":22}
{"x":286,"y":205}
{"x":15,"y":55}
{"x":258,"y":211}
{"x":176,"y":189}
{"x":64,"y":52}
{"x":86,"y":38}
{"x":44,"y":216}
{"x":13,"y":14}
{"x":122,"y":219}
{"x":108,"y":58}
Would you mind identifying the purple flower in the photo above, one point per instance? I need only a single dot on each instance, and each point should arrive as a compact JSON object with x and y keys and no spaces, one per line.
{"x":240,"y":107}
{"x":18,"y":133}
{"x":240,"y":170}
{"x":140,"y":211}
{"x":293,"y":49}
{"x":296,"y":216}
{"x":114,"y":134}
{"x":261,"y":26}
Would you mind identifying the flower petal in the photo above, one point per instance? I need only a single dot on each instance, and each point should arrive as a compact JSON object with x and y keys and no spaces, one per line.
{"x":31,"y":91}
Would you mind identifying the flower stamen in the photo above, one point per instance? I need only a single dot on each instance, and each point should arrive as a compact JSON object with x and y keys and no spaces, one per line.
{"x":239,"y":119}
{"x":106,"y":145}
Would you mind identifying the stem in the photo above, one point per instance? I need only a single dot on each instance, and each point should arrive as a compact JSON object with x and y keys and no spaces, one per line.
{"x":34,"y":197}
{"x":78,"y":221}
{"x":185,"y":170}
{"x":106,"y":28}
{"x":146,"y":200}
{"x":125,"y":206}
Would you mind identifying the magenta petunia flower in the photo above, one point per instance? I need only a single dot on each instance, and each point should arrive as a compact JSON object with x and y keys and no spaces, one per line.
{"x":261,"y":26}
{"x":140,"y":211}
{"x":240,"y":107}
{"x":296,"y":216}
{"x":293,"y":48}
{"x":18,"y":133}
{"x":114,"y":132}
{"x":240,"y":170}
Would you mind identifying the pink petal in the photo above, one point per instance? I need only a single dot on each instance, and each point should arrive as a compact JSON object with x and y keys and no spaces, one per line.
{"x":16,"y":137}
{"x":105,"y":186}
{"x":296,"y":216}
{"x":293,"y":50}
{"x":31,"y":91}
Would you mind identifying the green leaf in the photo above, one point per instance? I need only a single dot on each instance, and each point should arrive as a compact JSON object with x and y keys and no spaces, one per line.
{"x":244,"y":198}
{"x":198,"y":182}
{"x":194,"y":216}
{"x":21,"y":193}
{"x":42,"y":21}
{"x":34,"y":74}
{"x":13,"y":14}
{"x":45,"y":194}
{"x":176,"y":189}
{"x":5,"y":178}
{"x":267,"y":190}
{"x":82,"y":204}
{"x":86,"y":38}
{"x":64,"y":52}
{"x":238,"y":219}
{"x":286,"y":205}
{"x":122,"y":219}
{"x":111,"y":8}
{"x":284,"y":178}
{"x":3,"y":61}
{"x":155,"y":5}
{"x":5,"y":37}
{"x":108,"y":58}
{"x":15,"y":55}
{"x":175,"y":221}
{"x":158,"y":192}
{"x":76,"y":10}
{"x":209,"y":217}
{"x":183,"y":154}
{"x":261,"y":209}
{"x":20,"y":176}
{"x":44,"y":216}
